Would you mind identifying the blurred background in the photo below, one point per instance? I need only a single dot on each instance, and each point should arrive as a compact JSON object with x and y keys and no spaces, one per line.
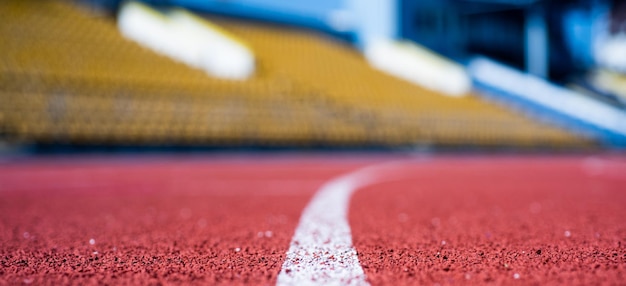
{"x":327,"y":74}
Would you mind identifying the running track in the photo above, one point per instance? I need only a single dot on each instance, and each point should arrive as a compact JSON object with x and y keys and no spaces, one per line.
{"x":359,"y":220}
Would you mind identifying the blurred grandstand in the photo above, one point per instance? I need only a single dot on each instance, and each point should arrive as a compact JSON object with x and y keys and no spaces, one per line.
{"x":69,"y":77}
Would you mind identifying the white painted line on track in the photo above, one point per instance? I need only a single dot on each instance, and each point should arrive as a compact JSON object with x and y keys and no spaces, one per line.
{"x":321,"y":250}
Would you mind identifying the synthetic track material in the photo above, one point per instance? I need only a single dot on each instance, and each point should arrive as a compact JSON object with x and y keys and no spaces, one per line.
{"x":537,"y":221}
{"x":447,"y":220}
{"x":157,"y":221}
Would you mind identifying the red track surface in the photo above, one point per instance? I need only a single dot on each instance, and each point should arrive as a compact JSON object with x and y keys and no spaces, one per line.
{"x":503,"y":219}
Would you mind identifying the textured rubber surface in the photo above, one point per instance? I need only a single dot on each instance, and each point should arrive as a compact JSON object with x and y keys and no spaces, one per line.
{"x":537,"y":221}
{"x":447,"y":220}
{"x":171,"y":221}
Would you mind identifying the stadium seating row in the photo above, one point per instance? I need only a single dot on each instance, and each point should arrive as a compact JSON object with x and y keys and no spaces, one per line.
{"x":67,"y":76}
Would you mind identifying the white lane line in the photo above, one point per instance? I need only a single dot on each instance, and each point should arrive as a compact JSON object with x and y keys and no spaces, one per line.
{"x":321,"y":250}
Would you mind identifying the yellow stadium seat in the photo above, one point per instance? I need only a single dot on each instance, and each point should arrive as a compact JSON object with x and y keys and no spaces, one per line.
{"x":68,"y":76}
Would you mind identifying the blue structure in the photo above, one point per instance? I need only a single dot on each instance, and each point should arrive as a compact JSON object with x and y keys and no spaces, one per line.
{"x":350,"y":19}
{"x":534,"y":35}
{"x":549,"y":39}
